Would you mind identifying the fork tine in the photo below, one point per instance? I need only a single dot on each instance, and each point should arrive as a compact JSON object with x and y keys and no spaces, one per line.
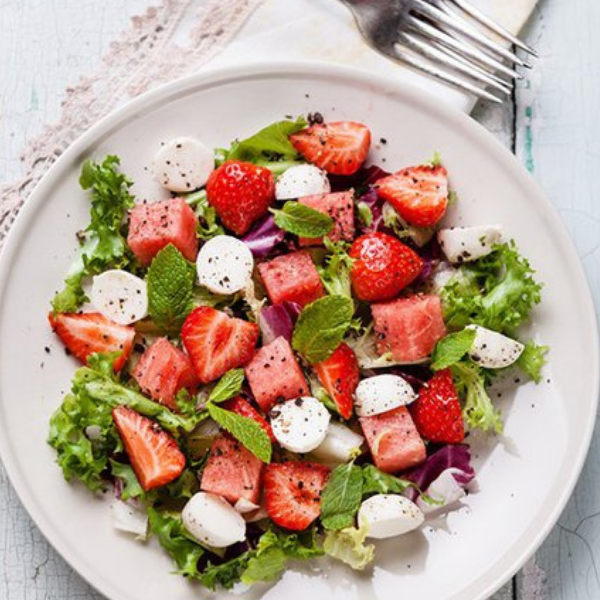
{"x":461,"y":47}
{"x":450,"y":59}
{"x":456,"y":23}
{"x":493,"y":26}
{"x":443,"y":75}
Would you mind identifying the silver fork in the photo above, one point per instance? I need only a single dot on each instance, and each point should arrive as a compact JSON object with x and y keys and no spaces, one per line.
{"x":449,"y":39}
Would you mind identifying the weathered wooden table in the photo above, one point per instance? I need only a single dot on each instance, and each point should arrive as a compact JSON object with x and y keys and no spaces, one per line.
{"x":552,"y":125}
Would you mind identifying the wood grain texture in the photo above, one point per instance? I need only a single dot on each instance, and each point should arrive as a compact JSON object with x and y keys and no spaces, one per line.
{"x":552,"y":125}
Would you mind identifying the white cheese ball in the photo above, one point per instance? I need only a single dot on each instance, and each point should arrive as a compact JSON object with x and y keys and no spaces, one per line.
{"x":464,"y":244}
{"x":493,"y":350}
{"x":301,"y":180}
{"x":300,"y":425}
{"x":225,"y":265}
{"x":183,"y":164}
{"x":213,"y":521}
{"x":382,"y":393}
{"x":120,"y":296}
{"x":389,"y":515}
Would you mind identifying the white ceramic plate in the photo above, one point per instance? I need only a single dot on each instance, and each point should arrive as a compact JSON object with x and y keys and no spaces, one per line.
{"x":525,"y":478}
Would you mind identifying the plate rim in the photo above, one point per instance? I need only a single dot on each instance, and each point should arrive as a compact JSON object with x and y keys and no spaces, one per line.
{"x":282,"y":68}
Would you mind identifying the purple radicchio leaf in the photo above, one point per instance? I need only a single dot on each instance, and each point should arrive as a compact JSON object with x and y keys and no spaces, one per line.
{"x":278,"y":320}
{"x":451,"y":456}
{"x":263,"y":237}
{"x":365,"y":176}
{"x":375,"y":204}
{"x":431,"y":254}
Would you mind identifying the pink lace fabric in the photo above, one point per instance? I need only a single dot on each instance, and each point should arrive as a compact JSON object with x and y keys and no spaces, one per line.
{"x":147,"y":54}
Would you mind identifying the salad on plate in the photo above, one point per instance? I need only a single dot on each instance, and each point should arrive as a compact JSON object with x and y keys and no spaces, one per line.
{"x":287,"y":357}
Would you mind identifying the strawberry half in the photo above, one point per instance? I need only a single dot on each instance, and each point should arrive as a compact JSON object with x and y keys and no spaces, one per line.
{"x":436,"y":412}
{"x":418,"y":194}
{"x":241,"y":193}
{"x":216,"y":342}
{"x":242,"y":407}
{"x":153,"y":453}
{"x":86,"y":333}
{"x":339,"y":148}
{"x":339,"y":375}
{"x":383,"y":266}
{"x":293,"y":493}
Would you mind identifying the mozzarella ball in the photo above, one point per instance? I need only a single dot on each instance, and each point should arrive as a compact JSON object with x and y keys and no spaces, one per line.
{"x":213,"y":521}
{"x":301,"y":180}
{"x":183,"y":164}
{"x":464,"y":244}
{"x":493,"y":350}
{"x":389,"y":515}
{"x":382,"y":393}
{"x":300,"y":425}
{"x":225,"y":265}
{"x":120,"y":296}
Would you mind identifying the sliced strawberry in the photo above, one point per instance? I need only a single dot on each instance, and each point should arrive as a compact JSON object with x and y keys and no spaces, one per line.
{"x":293,"y":493}
{"x":216,"y":342}
{"x":340,"y":148}
{"x":383,"y":266}
{"x":232,"y":471}
{"x":163,"y":370}
{"x":241,"y":193}
{"x":86,"y":333}
{"x":436,"y":412}
{"x":153,"y":453}
{"x":419,"y":194}
{"x":242,"y":407}
{"x":339,"y":375}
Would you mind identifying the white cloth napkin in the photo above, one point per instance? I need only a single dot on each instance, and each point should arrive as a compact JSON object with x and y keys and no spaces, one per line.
{"x":325,"y":30}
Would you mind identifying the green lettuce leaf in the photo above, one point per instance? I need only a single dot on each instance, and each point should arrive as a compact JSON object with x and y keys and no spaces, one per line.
{"x":532,"y":360}
{"x":170,"y":282}
{"x":378,"y":482}
{"x":208,"y":223}
{"x":335,"y":272}
{"x":497,"y":291}
{"x":102,"y":243}
{"x":348,"y":545}
{"x":131,"y":485}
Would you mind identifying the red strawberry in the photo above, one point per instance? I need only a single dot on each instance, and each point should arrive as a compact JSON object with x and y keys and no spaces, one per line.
{"x":339,"y":148}
{"x":216,"y":342}
{"x":241,"y":193}
{"x":383,"y":266}
{"x":242,"y":407}
{"x":86,"y":333}
{"x":339,"y":374}
{"x":153,"y":453}
{"x":293,"y":493}
{"x":436,"y":412}
{"x":419,"y":194}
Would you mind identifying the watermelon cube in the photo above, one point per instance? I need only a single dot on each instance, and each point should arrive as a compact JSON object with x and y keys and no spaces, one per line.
{"x":394,"y":441}
{"x":154,"y":226}
{"x":409,"y":328}
{"x":232,"y":471}
{"x":292,"y":277}
{"x":274,"y":375}
{"x":162,"y":371}
{"x":340,"y":207}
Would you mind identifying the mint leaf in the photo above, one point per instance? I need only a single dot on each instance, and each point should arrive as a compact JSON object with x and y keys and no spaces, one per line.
{"x":270,"y":144}
{"x":335,"y":273}
{"x":532,"y":360}
{"x":321,"y":327}
{"x":102,"y":242}
{"x":245,"y":430}
{"x":378,"y":482}
{"x":228,"y":386}
{"x":450,"y":349}
{"x":170,"y":282}
{"x":302,"y":220}
{"x":342,"y":496}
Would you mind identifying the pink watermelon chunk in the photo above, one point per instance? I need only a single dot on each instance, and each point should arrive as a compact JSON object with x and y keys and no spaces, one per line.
{"x":274,"y":375}
{"x":232,"y":471}
{"x":393,"y":439}
{"x":292,"y":277}
{"x":340,"y":207}
{"x":163,"y":370}
{"x":154,"y":226}
{"x":409,"y":328}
